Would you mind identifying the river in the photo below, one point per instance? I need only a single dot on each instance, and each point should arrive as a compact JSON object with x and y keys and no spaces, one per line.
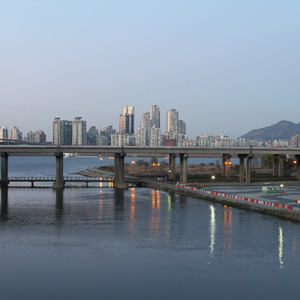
{"x":91,"y":243}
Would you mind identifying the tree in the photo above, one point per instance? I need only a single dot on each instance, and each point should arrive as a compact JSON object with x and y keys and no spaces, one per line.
{"x":153,"y":160}
{"x":267,"y":160}
{"x":140,"y":162}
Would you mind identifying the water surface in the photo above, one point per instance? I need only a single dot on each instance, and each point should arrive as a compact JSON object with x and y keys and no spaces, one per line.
{"x":91,"y":243}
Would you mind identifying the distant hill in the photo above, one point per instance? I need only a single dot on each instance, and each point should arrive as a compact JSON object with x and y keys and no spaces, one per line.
{"x":282,"y":130}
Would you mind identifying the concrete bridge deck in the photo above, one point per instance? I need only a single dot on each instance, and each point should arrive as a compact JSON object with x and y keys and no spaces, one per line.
{"x":244,"y":154}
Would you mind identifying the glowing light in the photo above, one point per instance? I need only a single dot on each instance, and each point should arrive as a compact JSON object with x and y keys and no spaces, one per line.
{"x":280,"y":247}
{"x":212,"y":229}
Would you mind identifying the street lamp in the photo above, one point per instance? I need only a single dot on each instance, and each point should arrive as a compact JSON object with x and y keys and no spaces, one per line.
{"x":213,"y":177}
{"x":281,"y":186}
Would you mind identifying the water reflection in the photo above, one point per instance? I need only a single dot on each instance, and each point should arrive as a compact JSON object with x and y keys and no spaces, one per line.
{"x":212,"y":230}
{"x":294,"y":244}
{"x":227,"y":227}
{"x":59,"y":208}
{"x":155,"y":215}
{"x":132,"y":228}
{"x":280,"y":247}
{"x":183,"y":200}
{"x":119,"y":203}
{"x":4,"y":203}
{"x":132,"y":204}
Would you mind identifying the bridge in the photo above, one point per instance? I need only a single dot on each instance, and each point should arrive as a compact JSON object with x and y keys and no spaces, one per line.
{"x":86,"y":180}
{"x":245,"y":154}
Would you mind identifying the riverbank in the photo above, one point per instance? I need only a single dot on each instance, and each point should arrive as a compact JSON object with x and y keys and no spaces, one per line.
{"x":233,"y":194}
{"x":271,"y":207}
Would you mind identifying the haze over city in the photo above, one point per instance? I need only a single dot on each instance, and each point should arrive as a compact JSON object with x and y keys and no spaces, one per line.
{"x":225,"y":66}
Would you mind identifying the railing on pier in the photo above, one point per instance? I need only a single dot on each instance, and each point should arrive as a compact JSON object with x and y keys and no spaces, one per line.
{"x":70,"y":179}
{"x":32,"y":180}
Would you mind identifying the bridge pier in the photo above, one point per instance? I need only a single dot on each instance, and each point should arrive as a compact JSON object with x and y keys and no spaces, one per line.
{"x":4,"y":169}
{"x":242,"y":166}
{"x":172,"y":166}
{"x":59,"y":179}
{"x":183,"y":167}
{"x":119,"y":182}
{"x":278,"y":166}
{"x":226,"y":164}
{"x":248,"y":168}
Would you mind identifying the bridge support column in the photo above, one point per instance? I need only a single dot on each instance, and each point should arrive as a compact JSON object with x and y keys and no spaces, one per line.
{"x":4,"y":169}
{"x":298,"y":166}
{"x":172,"y":166}
{"x":226,"y":165}
{"x":278,"y":165}
{"x":248,"y":168}
{"x":275,"y":164}
{"x":242,"y":166}
{"x":223,"y":164}
{"x":119,"y":182}
{"x":59,"y":179}
{"x":183,"y":167}
{"x":281,"y":165}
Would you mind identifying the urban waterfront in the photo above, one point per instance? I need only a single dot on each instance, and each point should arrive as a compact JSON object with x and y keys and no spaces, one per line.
{"x":87,"y":243}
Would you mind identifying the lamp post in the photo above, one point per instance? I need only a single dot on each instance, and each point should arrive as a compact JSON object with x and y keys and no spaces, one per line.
{"x":281,"y":186}
{"x":133,"y":162}
{"x":213,"y":177}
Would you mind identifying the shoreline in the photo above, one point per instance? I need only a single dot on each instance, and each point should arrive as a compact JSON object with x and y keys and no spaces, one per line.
{"x":277,"y":210}
{"x":239,"y":200}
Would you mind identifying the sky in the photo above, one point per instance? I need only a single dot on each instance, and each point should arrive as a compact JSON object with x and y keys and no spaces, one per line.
{"x":226,"y":66}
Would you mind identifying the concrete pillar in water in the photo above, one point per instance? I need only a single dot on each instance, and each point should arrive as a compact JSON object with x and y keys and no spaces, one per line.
{"x":172,"y":166}
{"x":59,"y":179}
{"x":248,"y":168}
{"x":119,"y":182}
{"x":4,"y":169}
{"x":183,"y":167}
{"x":242,"y":166}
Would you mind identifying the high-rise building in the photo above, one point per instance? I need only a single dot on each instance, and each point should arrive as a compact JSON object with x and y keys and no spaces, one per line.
{"x":154,"y":116}
{"x":155,"y":137}
{"x":172,"y":121}
{"x":181,"y":127}
{"x":3,"y":133}
{"x":141,"y":139}
{"x":92,"y":135}
{"x":124,"y":124}
{"x":16,"y":134}
{"x":36,"y":137}
{"x":126,"y":120}
{"x":79,"y":135}
{"x":104,"y":138}
{"x":62,"y":132}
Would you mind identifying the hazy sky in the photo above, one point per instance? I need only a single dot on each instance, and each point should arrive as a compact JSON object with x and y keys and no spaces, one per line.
{"x":225,"y":65}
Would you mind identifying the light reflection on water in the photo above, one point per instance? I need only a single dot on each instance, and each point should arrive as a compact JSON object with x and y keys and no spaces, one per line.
{"x":142,"y":243}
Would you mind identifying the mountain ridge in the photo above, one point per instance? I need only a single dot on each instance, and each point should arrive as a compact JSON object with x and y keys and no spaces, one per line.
{"x":283,"y":130}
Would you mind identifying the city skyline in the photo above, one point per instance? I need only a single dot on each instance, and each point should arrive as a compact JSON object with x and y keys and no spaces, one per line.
{"x":225,"y":66}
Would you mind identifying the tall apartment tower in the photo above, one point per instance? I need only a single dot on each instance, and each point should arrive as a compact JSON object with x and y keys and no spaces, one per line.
{"x":172,"y":121}
{"x":126,"y":120}
{"x":79,"y":135}
{"x":16,"y":134}
{"x":3,"y":133}
{"x":181,"y":127}
{"x":154,"y":116}
{"x":62,"y":132}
